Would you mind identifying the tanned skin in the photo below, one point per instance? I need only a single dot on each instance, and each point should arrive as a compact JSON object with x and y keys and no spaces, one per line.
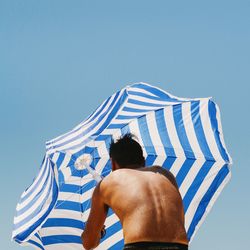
{"x":147,"y":202}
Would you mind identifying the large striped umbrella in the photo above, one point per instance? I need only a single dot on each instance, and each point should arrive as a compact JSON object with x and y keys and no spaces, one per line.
{"x":182,"y":135}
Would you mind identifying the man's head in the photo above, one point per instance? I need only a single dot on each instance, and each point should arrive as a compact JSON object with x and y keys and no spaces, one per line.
{"x":126,"y":153}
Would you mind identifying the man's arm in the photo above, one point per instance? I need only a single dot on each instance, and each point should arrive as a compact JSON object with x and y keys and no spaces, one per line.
{"x":98,"y":213}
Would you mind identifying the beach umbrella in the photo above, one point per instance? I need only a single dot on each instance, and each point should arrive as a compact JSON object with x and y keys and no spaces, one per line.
{"x":179,"y":134}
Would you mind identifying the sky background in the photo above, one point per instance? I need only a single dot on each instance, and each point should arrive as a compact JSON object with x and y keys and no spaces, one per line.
{"x":60,"y":59}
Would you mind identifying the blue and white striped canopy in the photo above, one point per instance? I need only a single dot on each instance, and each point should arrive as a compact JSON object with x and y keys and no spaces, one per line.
{"x":182,"y":135}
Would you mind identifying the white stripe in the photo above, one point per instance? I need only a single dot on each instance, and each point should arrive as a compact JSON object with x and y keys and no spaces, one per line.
{"x":208,"y":131}
{"x":174,"y":139}
{"x":155,"y":138}
{"x":65,"y":213}
{"x":123,"y":121}
{"x":173,"y":136}
{"x":218,"y":117}
{"x":101,"y":164}
{"x":211,"y":203}
{"x":131,"y":88}
{"x":37,"y":240}
{"x":28,"y":244}
{"x":177,"y":165}
{"x":55,"y":157}
{"x":75,"y":180}
{"x":57,"y":230}
{"x":170,"y":95}
{"x":189,"y":128}
{"x":201,"y":192}
{"x":75,"y":197}
{"x":150,"y":101}
{"x":38,"y":189}
{"x":115,"y":133}
{"x":66,"y":172}
{"x":139,"y":107}
{"x":63,"y":246}
{"x":32,"y":221}
{"x":36,"y":180}
{"x":111,"y":220}
{"x":36,"y":204}
{"x":131,"y":114}
{"x":187,"y":182}
{"x":65,"y":161}
{"x":111,"y":241}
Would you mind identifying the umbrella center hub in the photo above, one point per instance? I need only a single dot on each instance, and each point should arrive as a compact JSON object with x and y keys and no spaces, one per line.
{"x":83,"y":161}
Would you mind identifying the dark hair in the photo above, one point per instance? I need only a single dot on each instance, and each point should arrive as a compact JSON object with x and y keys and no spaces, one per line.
{"x":127,"y":152}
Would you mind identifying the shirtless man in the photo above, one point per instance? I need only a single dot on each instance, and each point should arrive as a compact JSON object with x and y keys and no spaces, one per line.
{"x":146,"y":200}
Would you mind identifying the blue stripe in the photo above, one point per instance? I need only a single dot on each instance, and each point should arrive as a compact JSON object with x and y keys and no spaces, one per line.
{"x":57,"y":239}
{"x":115,"y":126}
{"x":187,"y":165}
{"x":163,"y":132}
{"x":102,"y":137}
{"x":38,"y":236}
{"x":117,"y":246}
{"x":137,"y":93}
{"x":113,"y":113}
{"x":150,"y":159}
{"x":147,"y":142}
{"x":34,"y":211}
{"x":220,"y":177}
{"x":60,"y":159}
{"x":133,"y":101}
{"x":134,"y":110}
{"x":62,"y":222}
{"x":112,"y":230}
{"x":101,"y":109}
{"x":72,"y":188}
{"x":36,"y":244}
{"x":105,"y":124}
{"x":23,"y":235}
{"x":106,"y":139}
{"x":168,"y":163}
{"x":107,"y":169}
{"x":31,"y":191}
{"x":110,"y":116}
{"x":198,"y":127}
{"x":154,"y":91}
{"x":68,"y":205}
{"x":197,"y":182}
{"x":126,"y":117}
{"x":125,"y":130}
{"x":37,"y":196}
{"x":180,"y":129}
{"x":86,"y":205}
{"x":61,"y":179}
{"x":214,"y":123}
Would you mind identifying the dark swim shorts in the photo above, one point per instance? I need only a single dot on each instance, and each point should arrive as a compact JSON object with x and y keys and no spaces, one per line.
{"x":155,"y":246}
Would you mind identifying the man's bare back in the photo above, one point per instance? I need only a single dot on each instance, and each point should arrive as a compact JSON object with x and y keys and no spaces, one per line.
{"x":146,"y":200}
{"x":148,"y":204}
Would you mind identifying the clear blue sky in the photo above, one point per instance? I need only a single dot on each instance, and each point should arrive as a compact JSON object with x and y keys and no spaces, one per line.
{"x":60,"y":59}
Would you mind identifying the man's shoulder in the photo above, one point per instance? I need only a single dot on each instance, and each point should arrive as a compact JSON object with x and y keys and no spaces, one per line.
{"x":165,"y":172}
{"x":115,"y":174}
{"x":156,"y":169}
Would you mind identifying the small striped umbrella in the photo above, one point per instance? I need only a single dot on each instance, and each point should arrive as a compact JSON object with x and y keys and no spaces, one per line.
{"x":179,"y":134}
